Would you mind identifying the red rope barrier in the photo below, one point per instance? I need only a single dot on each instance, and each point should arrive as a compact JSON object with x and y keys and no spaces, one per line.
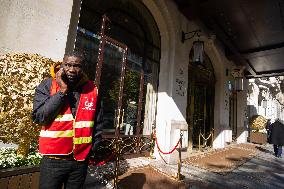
{"x":166,"y":152}
{"x":91,"y":161}
{"x":106,"y":160}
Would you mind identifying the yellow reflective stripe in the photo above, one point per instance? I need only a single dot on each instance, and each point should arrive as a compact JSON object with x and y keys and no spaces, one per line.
{"x":65,"y":117}
{"x":56,"y":134}
{"x":82,"y":140}
{"x":82,"y":124}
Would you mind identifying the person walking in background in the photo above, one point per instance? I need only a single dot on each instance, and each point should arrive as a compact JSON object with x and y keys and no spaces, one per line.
{"x":131,"y":117}
{"x":69,"y":110}
{"x":268,"y":130}
{"x":277,"y":137}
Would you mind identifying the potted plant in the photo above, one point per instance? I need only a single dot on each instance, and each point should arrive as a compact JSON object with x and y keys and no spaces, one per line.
{"x":258,"y":130}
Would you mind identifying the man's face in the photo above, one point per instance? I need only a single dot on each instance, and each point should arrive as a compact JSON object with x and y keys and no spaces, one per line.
{"x":72,"y":67}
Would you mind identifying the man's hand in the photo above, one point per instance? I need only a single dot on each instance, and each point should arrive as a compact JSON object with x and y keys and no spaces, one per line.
{"x":60,"y":81}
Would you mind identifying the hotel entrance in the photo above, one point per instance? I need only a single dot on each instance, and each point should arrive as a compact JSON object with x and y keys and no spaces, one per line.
{"x":200,"y":108}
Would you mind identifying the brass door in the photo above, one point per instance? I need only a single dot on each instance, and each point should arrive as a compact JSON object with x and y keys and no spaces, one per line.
{"x":200,"y":107}
{"x":199,"y":114}
{"x":202,"y":115}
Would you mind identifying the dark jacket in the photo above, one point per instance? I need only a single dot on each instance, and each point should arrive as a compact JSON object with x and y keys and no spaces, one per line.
{"x":46,"y":107}
{"x":131,"y":114}
{"x":277,"y":133}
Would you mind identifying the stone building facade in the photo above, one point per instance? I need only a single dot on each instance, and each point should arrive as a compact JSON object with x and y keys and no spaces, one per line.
{"x":198,"y":99}
{"x":265,"y":97}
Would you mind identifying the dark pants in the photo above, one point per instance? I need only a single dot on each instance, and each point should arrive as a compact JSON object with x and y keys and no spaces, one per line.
{"x":277,"y":150}
{"x":55,"y":172}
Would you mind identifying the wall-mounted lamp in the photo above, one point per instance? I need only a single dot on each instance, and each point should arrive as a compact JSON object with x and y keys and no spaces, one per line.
{"x":192,"y":33}
{"x":239,"y":84}
{"x":198,"y":52}
{"x":230,"y":86}
{"x":198,"y":46}
{"x":264,"y":103}
{"x":238,"y":79}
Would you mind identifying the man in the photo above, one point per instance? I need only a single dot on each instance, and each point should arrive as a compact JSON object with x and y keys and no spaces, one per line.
{"x":277,"y":139}
{"x":268,"y":130}
{"x":67,"y":107}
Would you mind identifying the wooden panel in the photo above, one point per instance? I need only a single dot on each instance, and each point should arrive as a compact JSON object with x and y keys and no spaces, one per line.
{"x":14,"y":182}
{"x":17,"y":171}
{"x":34,"y":180}
{"x":4,"y":183}
{"x":20,"y":178}
{"x":25,"y":181}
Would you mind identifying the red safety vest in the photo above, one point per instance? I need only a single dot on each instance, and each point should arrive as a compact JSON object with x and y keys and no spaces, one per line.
{"x":66,"y":135}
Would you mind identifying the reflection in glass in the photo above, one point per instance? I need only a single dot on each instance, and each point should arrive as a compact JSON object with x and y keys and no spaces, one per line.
{"x":88,"y":43}
{"x":131,"y":98}
{"x":110,"y":84}
{"x":149,"y":96}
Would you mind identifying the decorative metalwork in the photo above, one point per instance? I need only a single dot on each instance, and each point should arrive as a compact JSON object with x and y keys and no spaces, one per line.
{"x":192,"y":33}
{"x":113,"y":149}
{"x":152,"y":143}
{"x":101,"y":51}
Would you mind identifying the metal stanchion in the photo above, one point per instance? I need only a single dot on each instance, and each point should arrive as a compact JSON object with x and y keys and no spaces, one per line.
{"x":117,"y":149}
{"x":153,"y":138}
{"x":179,"y":176}
{"x":199,"y":141}
{"x":204,"y":140}
{"x":116,"y":169}
{"x":212,"y":137}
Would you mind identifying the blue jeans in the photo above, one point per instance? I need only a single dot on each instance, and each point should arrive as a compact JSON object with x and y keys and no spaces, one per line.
{"x":55,"y":172}
{"x":277,"y":150}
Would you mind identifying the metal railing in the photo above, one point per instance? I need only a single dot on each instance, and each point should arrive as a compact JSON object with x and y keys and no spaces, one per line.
{"x":205,"y":140}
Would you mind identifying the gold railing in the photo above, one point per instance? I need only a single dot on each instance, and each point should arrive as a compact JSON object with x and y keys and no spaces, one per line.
{"x":205,"y":140}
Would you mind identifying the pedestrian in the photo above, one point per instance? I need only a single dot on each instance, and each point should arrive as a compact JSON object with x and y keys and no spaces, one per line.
{"x":131,"y":117}
{"x":277,"y":139}
{"x":69,"y":111}
{"x":268,"y":130}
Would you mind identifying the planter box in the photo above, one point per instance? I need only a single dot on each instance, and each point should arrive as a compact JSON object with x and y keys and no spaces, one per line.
{"x":259,"y":138}
{"x":22,"y":177}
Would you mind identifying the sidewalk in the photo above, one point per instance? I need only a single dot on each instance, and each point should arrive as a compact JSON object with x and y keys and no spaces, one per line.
{"x":264,"y":171}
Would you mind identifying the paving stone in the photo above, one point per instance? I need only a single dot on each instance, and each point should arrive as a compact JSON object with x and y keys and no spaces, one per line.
{"x":263,"y":171}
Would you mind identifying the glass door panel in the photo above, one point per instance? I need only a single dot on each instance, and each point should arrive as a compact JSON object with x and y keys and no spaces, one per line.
{"x":149,"y":96}
{"x":88,"y":43}
{"x":130,"y":101}
{"x":111,"y":82}
{"x":199,"y":112}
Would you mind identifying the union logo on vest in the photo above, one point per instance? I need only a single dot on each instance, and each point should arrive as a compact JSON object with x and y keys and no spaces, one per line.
{"x":89,"y":105}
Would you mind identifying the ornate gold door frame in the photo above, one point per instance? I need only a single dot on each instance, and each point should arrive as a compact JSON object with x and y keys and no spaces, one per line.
{"x":200,"y":108}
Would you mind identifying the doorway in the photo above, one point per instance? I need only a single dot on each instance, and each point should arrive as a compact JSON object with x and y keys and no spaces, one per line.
{"x":233,"y":114}
{"x":200,"y":107}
